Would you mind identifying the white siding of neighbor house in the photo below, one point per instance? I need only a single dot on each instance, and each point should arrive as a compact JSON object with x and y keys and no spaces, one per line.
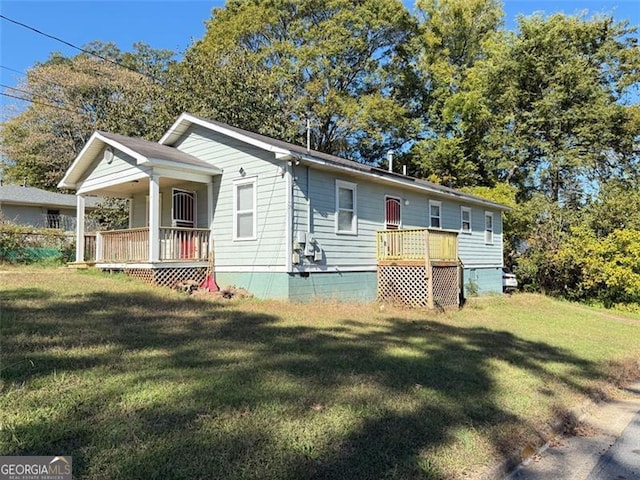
{"x":343,"y":251}
{"x":121,"y":169}
{"x":268,"y":250}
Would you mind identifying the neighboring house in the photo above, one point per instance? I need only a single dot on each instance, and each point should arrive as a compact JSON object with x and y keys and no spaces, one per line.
{"x":40,"y":208}
{"x":284,"y":221}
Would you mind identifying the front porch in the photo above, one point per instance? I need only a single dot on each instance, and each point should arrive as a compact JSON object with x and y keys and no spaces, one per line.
{"x":419,"y":267}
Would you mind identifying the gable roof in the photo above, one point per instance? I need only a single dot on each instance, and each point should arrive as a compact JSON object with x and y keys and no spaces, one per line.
{"x":19,"y":195}
{"x":143,"y":151}
{"x":285,"y":150}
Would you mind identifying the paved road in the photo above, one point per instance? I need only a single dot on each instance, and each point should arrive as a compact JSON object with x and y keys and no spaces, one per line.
{"x":622,"y":461}
{"x":608,"y":449}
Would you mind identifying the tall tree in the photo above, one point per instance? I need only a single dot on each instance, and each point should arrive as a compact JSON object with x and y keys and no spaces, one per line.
{"x":453,"y":36}
{"x":334,"y":61}
{"x":558,"y":96}
{"x":72,"y":97}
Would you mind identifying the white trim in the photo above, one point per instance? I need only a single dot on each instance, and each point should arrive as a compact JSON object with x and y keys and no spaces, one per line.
{"x":288,"y":235}
{"x":489,"y":265}
{"x":253,"y":181}
{"x":354,"y":219}
{"x":489,"y":240}
{"x":113,"y":179}
{"x":435,"y":203}
{"x":252,"y":268}
{"x":149,"y":265}
{"x":174,"y":131}
{"x":80,"y":209}
{"x":154,"y":218}
{"x":295,"y":269}
{"x":462,"y":210}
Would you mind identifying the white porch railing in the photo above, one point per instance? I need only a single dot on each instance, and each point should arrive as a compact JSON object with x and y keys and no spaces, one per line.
{"x":132,"y":245}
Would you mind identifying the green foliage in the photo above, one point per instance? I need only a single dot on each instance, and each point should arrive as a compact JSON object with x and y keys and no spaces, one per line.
{"x":609,"y":266}
{"x":77,"y":96}
{"x":20,"y":244}
{"x":337,"y":62}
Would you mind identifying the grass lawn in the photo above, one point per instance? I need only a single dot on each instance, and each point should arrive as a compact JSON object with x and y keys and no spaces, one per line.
{"x":138,"y":382}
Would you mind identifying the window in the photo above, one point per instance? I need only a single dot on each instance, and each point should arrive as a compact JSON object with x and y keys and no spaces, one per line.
{"x":53,"y":219}
{"x":434,"y":214}
{"x":244,"y":209}
{"x":392,"y":213}
{"x":465,"y":219}
{"x":346,"y":216}
{"x":488,"y":227}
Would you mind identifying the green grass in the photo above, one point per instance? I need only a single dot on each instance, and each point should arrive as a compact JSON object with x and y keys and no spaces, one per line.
{"x":139,"y":382}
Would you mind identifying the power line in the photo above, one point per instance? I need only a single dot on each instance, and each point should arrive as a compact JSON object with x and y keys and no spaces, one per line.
{"x":26,"y":92}
{"x":13,"y":70}
{"x":31,"y":100}
{"x":88,"y":52}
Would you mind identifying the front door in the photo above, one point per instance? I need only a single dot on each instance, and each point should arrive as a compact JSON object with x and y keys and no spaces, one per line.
{"x":183,"y":209}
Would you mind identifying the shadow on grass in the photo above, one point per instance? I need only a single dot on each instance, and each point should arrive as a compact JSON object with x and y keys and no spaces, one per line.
{"x":142,"y":386}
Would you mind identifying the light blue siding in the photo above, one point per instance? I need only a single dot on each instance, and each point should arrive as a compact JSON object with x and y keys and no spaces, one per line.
{"x":346,"y":286}
{"x":350,"y":251}
{"x":482,"y":281}
{"x":260,"y":284}
{"x":230,"y":155}
{"x":101,"y":173}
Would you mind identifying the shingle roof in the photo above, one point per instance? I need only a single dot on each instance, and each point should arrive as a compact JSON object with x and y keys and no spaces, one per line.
{"x":351,"y":164}
{"x":20,"y":195}
{"x":155,"y":150}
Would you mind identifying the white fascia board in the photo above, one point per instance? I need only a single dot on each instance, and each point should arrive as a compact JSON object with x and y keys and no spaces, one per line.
{"x":401,"y":182}
{"x":83,"y":160}
{"x":157,"y":162}
{"x":186,"y":118}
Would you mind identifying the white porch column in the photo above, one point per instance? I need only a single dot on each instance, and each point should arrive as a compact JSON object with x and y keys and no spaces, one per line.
{"x":154,"y":218}
{"x":79,"y":228}
{"x":210,"y":211}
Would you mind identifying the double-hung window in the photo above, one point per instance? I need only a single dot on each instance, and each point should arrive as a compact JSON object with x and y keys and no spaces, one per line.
{"x":465,"y":219}
{"x":244,"y":209}
{"x":346,"y":203}
{"x":488,"y":227}
{"x":434,"y":214}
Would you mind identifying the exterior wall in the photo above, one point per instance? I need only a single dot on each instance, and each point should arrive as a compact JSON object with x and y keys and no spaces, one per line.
{"x":347,"y":286}
{"x":482,"y":281}
{"x":100,"y":173}
{"x":315,"y":192}
{"x":260,"y":284}
{"x":139,"y":216}
{"x":35,"y":215}
{"x":268,"y":250}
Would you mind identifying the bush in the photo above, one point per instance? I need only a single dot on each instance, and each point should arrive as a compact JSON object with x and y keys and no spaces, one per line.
{"x":21,"y":244}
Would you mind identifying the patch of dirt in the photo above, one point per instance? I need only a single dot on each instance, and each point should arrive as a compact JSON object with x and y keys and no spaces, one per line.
{"x":226,"y":293}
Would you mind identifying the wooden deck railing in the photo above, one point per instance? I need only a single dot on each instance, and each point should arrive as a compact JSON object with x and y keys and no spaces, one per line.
{"x":132,"y":245}
{"x":411,"y":244}
{"x":89,"y":247}
{"x":184,"y":243}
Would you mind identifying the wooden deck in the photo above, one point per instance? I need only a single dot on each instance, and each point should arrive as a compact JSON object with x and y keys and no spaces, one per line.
{"x":413,"y":246}
{"x":132,"y":245}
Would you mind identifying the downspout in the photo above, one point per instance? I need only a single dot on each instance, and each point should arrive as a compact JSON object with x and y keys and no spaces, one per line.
{"x":289,"y":218}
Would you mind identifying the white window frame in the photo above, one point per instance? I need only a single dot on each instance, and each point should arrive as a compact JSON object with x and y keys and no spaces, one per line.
{"x":253,"y":181}
{"x":488,"y":232}
{"x":354,"y":221}
{"x":462,"y":222}
{"x":435,"y":203}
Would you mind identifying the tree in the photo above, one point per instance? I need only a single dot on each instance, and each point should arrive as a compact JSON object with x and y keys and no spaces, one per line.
{"x":73,"y":97}
{"x":558,"y":100}
{"x":453,"y":36}
{"x":333,"y":61}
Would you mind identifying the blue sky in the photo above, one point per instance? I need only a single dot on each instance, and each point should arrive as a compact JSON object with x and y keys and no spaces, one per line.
{"x":174,"y":24}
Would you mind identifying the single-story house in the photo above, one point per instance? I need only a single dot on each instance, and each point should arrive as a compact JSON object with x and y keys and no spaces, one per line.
{"x":283,"y":221}
{"x":35,"y":207}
